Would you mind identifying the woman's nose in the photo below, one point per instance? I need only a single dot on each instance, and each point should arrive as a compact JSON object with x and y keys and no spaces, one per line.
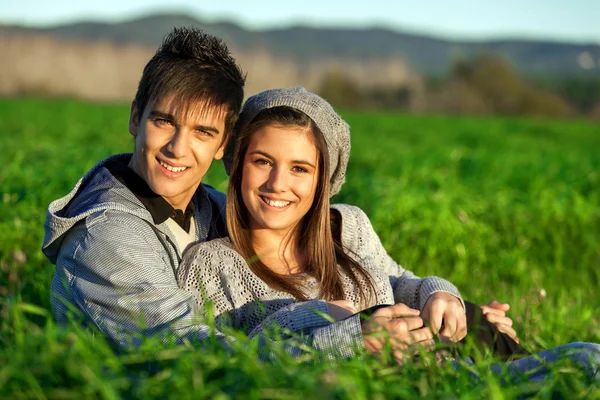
{"x":278,"y":180}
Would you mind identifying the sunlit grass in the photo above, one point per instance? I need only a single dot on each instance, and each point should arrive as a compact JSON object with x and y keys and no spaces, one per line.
{"x":506,"y":209}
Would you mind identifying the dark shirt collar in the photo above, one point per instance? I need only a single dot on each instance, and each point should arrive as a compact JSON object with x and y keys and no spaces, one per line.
{"x":158,"y":207}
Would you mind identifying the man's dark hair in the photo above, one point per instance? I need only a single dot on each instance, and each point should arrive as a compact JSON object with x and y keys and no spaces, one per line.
{"x":191,"y":66}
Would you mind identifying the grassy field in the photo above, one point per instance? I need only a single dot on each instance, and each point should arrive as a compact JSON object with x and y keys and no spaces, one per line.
{"x":507,"y":209}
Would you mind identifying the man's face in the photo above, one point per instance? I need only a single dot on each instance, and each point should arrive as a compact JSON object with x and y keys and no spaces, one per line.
{"x":174,"y":150}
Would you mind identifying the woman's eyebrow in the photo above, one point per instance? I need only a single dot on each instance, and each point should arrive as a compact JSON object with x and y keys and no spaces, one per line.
{"x":262,"y":153}
{"x":303,"y":162}
{"x":267,"y":155}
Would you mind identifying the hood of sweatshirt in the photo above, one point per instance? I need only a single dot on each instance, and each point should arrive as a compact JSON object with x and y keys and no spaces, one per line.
{"x":96,"y":192}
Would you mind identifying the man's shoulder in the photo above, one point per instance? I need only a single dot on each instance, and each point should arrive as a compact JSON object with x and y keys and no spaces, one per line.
{"x":97,"y":199}
{"x":215,"y":195}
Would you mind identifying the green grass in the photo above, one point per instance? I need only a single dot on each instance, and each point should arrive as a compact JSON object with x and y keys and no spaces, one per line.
{"x":507,"y":209}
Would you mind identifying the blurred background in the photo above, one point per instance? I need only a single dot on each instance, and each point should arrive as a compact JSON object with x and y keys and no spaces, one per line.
{"x":453,"y":57}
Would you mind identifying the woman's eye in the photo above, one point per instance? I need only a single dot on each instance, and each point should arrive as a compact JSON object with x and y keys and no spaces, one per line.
{"x":299,"y":169}
{"x":262,"y":161}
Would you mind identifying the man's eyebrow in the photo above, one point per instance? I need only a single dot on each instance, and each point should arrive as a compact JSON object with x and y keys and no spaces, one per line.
{"x":207,"y":128}
{"x":160,"y":114}
{"x":302,"y":162}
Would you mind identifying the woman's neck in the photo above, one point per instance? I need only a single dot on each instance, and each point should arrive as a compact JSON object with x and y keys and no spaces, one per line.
{"x":278,"y":251}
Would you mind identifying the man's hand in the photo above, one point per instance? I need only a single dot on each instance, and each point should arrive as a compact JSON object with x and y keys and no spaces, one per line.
{"x":341,"y":309}
{"x":444,"y":308}
{"x":401,"y":325}
{"x":495,"y":312}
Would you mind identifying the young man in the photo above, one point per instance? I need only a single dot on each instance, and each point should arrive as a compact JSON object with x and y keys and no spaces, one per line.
{"x":118,"y":237}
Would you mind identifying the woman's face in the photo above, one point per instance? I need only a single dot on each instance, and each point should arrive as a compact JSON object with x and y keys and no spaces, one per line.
{"x":279,"y":177}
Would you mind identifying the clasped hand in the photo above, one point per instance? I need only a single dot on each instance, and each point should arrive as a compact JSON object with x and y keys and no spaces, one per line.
{"x":407,"y":328}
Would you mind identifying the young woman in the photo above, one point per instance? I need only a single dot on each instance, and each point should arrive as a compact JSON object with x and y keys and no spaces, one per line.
{"x":287,"y":244}
{"x":290,"y":252}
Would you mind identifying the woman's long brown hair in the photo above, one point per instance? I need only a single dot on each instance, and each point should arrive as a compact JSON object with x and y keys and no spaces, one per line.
{"x":322,"y":250}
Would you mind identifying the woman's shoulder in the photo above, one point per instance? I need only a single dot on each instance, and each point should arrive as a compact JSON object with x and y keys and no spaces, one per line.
{"x":354,"y":225}
{"x":217,"y":251}
{"x":351,"y":217}
{"x":215,"y":244}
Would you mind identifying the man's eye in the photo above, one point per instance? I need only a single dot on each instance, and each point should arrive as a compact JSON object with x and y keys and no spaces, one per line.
{"x":162,"y":121}
{"x":204,"y":133}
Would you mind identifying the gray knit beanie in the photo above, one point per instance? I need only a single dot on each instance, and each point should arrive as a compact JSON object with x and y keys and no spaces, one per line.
{"x":335,"y":130}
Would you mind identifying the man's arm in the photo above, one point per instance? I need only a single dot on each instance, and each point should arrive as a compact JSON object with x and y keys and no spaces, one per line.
{"x":118,"y":280}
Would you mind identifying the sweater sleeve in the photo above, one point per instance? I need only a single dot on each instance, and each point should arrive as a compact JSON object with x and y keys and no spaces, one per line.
{"x":361,"y":239}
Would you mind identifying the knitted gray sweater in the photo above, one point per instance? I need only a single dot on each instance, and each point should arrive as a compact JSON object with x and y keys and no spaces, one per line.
{"x":214,"y":272}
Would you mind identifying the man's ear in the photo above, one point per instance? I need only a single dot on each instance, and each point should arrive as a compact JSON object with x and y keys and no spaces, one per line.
{"x":134,"y":119}
{"x":221,"y":152}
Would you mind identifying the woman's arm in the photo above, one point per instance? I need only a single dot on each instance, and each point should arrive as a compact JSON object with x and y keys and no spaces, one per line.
{"x":439,"y":300}
{"x":215,"y":274}
{"x":362,"y":242}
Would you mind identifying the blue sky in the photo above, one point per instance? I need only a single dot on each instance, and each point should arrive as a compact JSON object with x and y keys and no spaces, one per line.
{"x":567,"y":20}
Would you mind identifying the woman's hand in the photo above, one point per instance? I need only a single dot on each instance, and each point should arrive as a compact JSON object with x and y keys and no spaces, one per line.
{"x":341,"y":309}
{"x":495,"y":312}
{"x":399,"y":324}
{"x":445,"y":308}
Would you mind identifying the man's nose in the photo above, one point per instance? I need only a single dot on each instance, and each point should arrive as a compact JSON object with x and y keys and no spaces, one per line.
{"x":179,"y":144}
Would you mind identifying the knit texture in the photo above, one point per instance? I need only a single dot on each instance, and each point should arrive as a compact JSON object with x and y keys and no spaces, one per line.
{"x":214,"y":272}
{"x":335,"y":130}
{"x":116,"y":269}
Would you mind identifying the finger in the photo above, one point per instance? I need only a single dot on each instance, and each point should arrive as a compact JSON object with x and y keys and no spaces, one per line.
{"x":399,"y":329}
{"x":461,"y":328}
{"x":499,"y":319}
{"x":498,"y":306}
{"x":426,"y":345}
{"x":421,"y":335}
{"x":400,"y":356}
{"x":396,"y":311}
{"x":509,"y":330}
{"x":450,"y":323}
{"x":373,"y":344}
{"x":487,"y":310}
{"x":435,"y":318}
{"x":400,"y":338}
{"x":406,"y":324}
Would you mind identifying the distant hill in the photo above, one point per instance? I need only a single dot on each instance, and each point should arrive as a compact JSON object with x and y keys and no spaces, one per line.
{"x":430,"y":56}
